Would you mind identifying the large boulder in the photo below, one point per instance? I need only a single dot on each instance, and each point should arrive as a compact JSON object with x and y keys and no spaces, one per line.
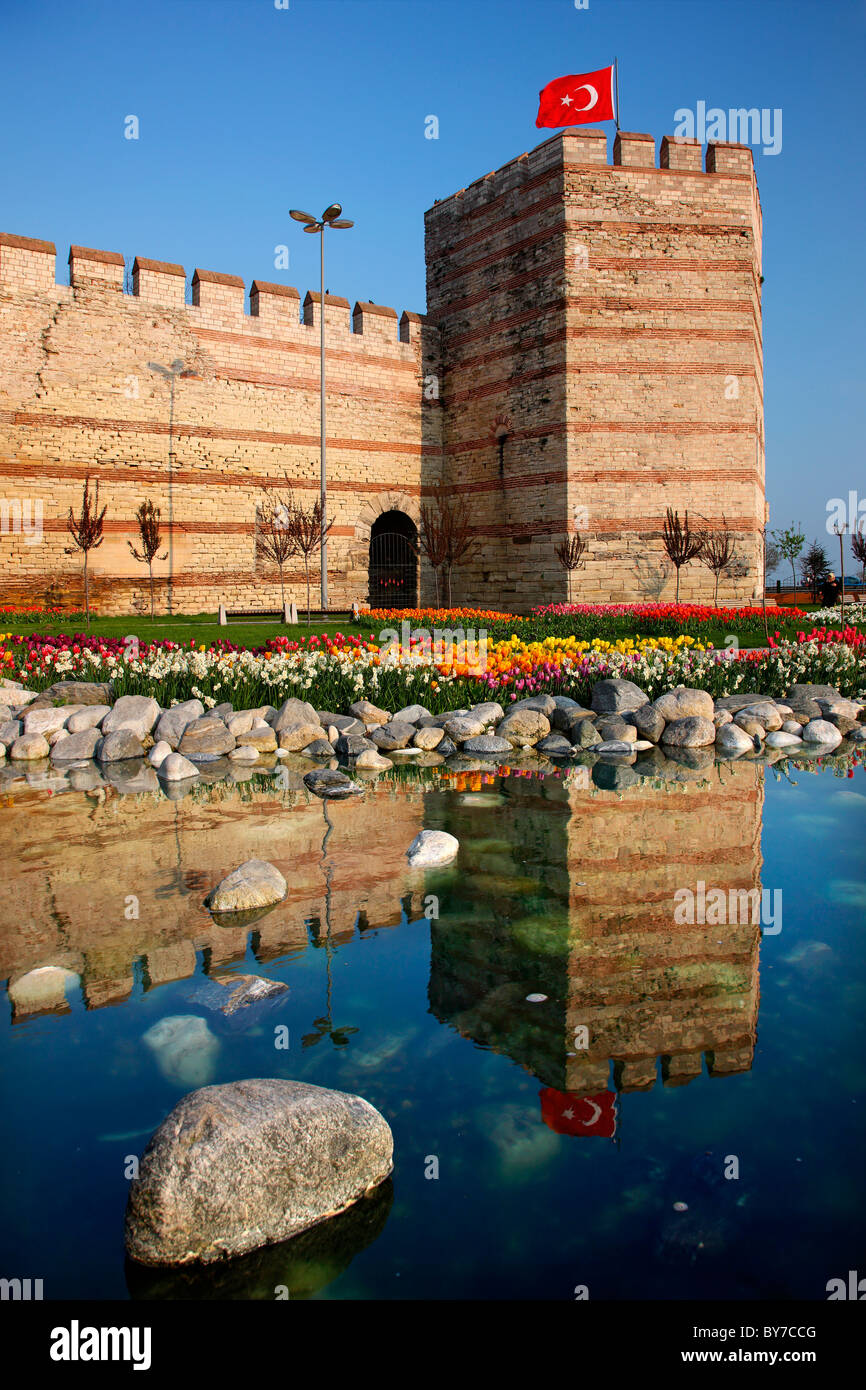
{"x":411,"y":714}
{"x":464,"y":726}
{"x":138,"y":713}
{"x":331,"y":785}
{"x":118,"y":746}
{"x":77,"y":747}
{"x":261,"y":738}
{"x":370,"y":715}
{"x":613,"y":726}
{"x":816,"y":731}
{"x":395,"y":734}
{"x":432,"y":847}
{"x":351,"y":745}
{"x":766,"y":713}
{"x":171,"y":724}
{"x":47,"y":721}
{"x":584,"y":734}
{"x":251,"y":1163}
{"x":253,"y":884}
{"x":648,"y":721}
{"x":296,"y":734}
{"x":692,"y":732}
{"x":683,"y":703}
{"x":176,"y":768}
{"x":294,"y":711}
{"x":488,"y":711}
{"x":79,"y":692}
{"x":731,"y":739}
{"x":524,"y":725}
{"x":206,"y":737}
{"x":545,"y":703}
{"x":429,"y":738}
{"x":492,"y":743}
{"x":614,"y":696}
{"x":780,"y":739}
{"x":90,"y":717}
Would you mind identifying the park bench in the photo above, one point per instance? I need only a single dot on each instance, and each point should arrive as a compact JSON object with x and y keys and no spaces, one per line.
{"x":288,"y":614}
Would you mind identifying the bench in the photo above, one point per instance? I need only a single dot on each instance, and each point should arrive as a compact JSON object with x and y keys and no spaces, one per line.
{"x":288,"y":614}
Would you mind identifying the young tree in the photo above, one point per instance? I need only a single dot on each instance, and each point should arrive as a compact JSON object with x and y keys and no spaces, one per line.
{"x":276,"y":541}
{"x":813,"y":568}
{"x":147,"y":517}
{"x":432,"y":540}
{"x":717,"y":553}
{"x":570,"y":553}
{"x":858,"y":550}
{"x":790,"y":543}
{"x":772,"y":556}
{"x":306,"y":528}
{"x":459,"y":541}
{"x":680,"y":542}
{"x":86,"y":533}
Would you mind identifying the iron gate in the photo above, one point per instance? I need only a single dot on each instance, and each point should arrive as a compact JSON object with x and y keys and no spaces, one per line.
{"x":393,"y":572}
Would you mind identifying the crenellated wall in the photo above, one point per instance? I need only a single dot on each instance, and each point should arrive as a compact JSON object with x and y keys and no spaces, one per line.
{"x":601,"y":341}
{"x":79,"y":396}
{"x":591,"y":355}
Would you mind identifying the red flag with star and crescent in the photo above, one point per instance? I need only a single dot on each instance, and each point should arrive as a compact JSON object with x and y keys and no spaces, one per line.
{"x":577,"y":99}
{"x":565,"y":1113}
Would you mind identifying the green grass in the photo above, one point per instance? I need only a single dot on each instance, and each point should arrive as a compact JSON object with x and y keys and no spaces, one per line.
{"x":203,"y":628}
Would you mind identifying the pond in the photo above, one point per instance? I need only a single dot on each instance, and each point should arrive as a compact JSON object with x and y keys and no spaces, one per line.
{"x":601,"y":1072}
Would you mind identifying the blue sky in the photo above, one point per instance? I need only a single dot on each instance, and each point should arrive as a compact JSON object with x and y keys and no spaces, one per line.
{"x":247,"y":110}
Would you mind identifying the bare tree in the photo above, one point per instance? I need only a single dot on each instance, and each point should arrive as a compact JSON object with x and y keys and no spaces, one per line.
{"x":147,"y":517}
{"x":305,"y":524}
{"x":570,"y":553}
{"x":276,"y":541}
{"x":858,"y":549}
{"x":86,"y":533}
{"x":458,"y":538}
{"x":432,"y":540}
{"x":717,"y":553}
{"x":680,"y":542}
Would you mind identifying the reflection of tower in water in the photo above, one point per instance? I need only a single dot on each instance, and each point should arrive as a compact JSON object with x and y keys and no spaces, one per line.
{"x":570,"y":894}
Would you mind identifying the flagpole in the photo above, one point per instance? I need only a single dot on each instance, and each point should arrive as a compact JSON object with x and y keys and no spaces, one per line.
{"x":616,"y":88}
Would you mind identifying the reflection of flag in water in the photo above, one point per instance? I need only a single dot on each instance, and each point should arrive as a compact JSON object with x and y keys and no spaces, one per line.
{"x":565,"y":1113}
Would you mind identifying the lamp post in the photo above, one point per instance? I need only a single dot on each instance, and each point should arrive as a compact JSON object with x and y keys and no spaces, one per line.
{"x":329,"y":218}
{"x":171,"y":374}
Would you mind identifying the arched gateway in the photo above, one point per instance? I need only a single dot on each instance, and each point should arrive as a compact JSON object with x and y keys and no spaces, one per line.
{"x":393,"y":561}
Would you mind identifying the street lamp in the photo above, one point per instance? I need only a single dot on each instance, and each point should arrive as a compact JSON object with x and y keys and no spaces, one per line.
{"x":171,"y":374}
{"x":329,"y":218}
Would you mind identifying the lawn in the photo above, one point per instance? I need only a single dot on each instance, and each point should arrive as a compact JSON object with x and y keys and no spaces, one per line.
{"x":201,"y":628}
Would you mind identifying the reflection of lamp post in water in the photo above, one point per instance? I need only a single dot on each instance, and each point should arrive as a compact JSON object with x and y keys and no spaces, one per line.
{"x":329,"y":218}
{"x":171,"y":373}
{"x":325,"y":1026}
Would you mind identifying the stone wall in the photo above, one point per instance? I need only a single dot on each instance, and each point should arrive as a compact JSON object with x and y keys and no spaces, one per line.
{"x":79,"y":397}
{"x":601,"y":341}
{"x":591,"y":355}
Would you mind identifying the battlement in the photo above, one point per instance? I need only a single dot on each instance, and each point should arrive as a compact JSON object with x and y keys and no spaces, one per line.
{"x":28,"y":265}
{"x":581,"y":147}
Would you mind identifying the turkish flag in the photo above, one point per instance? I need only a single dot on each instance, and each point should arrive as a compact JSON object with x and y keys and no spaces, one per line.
{"x":578,"y":99}
{"x":570,"y":1114}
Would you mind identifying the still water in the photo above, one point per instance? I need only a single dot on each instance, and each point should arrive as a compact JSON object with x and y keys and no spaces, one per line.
{"x":565,"y":1158}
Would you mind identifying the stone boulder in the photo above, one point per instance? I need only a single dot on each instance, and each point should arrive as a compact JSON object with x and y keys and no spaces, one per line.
{"x":88,"y":718}
{"x":614,"y":696}
{"x":249,"y":1164}
{"x":544,"y":703}
{"x":566,"y":719}
{"x":778,"y":738}
{"x":119,"y":746}
{"x":488,"y":711}
{"x":77,"y":747}
{"x":525,"y":725}
{"x":206,"y":737}
{"x":253,"y":884}
{"x":331,"y":784}
{"x":691,"y":732}
{"x":177,"y":768}
{"x":395,"y":734}
{"x":464,"y":726}
{"x":47,"y":721}
{"x":411,"y":714}
{"x":292,"y":712}
{"x":684,"y":703}
{"x":79,"y":692}
{"x":370,"y":715}
{"x":351,"y":745}
{"x":816,"y":731}
{"x":613,"y":726}
{"x":428,"y":739}
{"x":432,"y":847}
{"x":765,"y":712}
{"x":371,"y":760}
{"x":492,"y":743}
{"x":648,"y":721}
{"x":137,"y":713}
{"x":730,"y":738}
{"x":553,"y":745}
{"x":296,"y":734}
{"x":847,"y":709}
{"x":261,"y":738}
{"x":171,"y":724}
